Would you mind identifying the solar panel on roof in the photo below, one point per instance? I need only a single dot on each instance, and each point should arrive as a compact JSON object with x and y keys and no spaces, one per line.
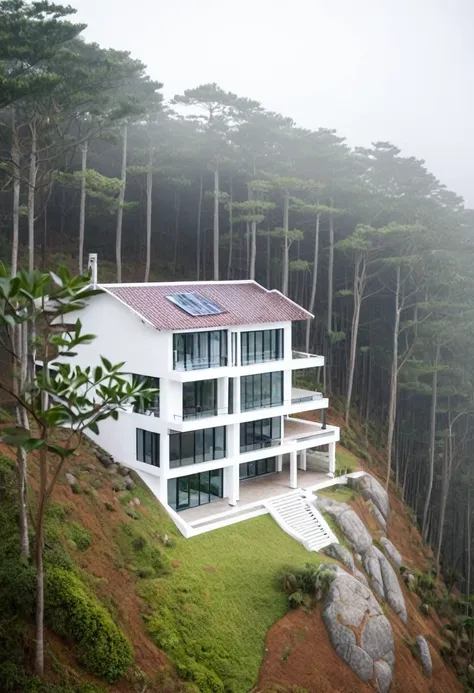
{"x":194,"y":304}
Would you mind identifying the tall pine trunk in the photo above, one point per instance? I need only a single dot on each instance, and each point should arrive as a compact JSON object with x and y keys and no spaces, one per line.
{"x":121,"y":198}
{"x":326,"y":379}
{"x":31,"y":197}
{"x":149,"y":191}
{"x":15,"y":154}
{"x":392,"y":405}
{"x":314,"y":282}
{"x":216,"y":224}
{"x":231,"y":228}
{"x":434,"y":400}
{"x":359,"y":283}
{"x":198,"y":230}
{"x":82,"y":207}
{"x":286,"y":246}
{"x":19,"y":344}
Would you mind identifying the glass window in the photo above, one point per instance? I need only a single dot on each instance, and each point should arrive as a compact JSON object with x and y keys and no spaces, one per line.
{"x":148,"y":447}
{"x":172,"y":487}
{"x":219,"y":442}
{"x":193,"y":490}
{"x":200,"y":350}
{"x":230,"y":404}
{"x":175,"y":452}
{"x":260,"y":391}
{"x":267,"y":389}
{"x":261,"y":345}
{"x":216,"y":484}
{"x":196,"y":489}
{"x":139,"y":444}
{"x":183,"y":492}
{"x":187,"y":448}
{"x":248,"y":470}
{"x":208,"y":444}
{"x":194,"y":447}
{"x":277,"y":388}
{"x":204,"y":487}
{"x":198,"y":446}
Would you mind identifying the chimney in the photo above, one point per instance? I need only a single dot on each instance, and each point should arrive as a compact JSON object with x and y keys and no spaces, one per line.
{"x":92,"y":265}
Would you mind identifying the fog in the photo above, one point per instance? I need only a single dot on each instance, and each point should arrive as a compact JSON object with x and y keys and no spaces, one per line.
{"x":397,"y":70}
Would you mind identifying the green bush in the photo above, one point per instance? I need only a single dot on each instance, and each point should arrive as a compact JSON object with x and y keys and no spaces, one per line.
{"x":75,"y":615}
{"x":306,"y":585}
{"x":141,"y":553}
{"x":206,"y":680}
{"x":80,"y":536}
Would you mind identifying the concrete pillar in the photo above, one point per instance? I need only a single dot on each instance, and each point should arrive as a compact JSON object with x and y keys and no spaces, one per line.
{"x":293,"y":470}
{"x":164,"y":454}
{"x":332,"y":459}
{"x":302,"y":460}
{"x":231,"y":484}
{"x":279,"y":463}
{"x":222,"y":395}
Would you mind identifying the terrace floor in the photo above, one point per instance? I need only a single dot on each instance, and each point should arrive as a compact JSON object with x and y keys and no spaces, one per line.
{"x":257,"y":489}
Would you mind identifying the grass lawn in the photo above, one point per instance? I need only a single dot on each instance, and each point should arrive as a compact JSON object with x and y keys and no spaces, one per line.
{"x":216,"y":605}
{"x":345,"y":460}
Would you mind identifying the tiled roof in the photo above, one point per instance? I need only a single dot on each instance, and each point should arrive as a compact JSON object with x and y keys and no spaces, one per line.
{"x":242,"y":302}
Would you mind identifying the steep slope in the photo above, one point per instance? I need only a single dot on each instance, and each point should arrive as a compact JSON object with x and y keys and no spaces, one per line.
{"x":203,"y":615}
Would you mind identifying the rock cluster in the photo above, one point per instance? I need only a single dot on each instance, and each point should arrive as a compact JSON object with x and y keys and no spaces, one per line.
{"x":373,"y":491}
{"x":359,"y":631}
{"x":384,"y":580}
{"x":425,"y":656}
{"x":341,"y":554}
{"x":349,"y":522}
{"x":393,"y":553}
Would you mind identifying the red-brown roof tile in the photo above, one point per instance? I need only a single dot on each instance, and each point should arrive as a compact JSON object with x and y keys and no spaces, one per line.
{"x":243,"y":303}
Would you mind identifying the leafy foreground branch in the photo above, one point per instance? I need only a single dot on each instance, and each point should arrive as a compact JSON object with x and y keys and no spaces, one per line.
{"x":56,"y":396}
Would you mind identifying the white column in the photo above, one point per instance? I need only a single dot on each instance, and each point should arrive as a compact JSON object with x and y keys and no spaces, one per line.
{"x":279,"y":463}
{"x":164,"y":467}
{"x":293,"y":470}
{"x":231,"y":484}
{"x":302,"y":460}
{"x":222,"y":395}
{"x":332,"y":459}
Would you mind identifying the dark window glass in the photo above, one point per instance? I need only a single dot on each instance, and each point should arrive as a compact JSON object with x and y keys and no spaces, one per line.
{"x":199,"y":399}
{"x":172,"y":488}
{"x":199,"y":446}
{"x":262,"y":390}
{"x":249,"y":470}
{"x":259,"y":434}
{"x":150,"y":407}
{"x":196,"y":489}
{"x":261,"y":345}
{"x":200,"y":350}
{"x":194,"y":447}
{"x":175,"y":450}
{"x":230,"y":404}
{"x":187,"y":448}
{"x":148,"y":447}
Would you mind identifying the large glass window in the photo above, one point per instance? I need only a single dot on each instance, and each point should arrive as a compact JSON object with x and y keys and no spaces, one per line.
{"x":260,"y":434}
{"x":261,"y":391}
{"x":248,"y":470}
{"x":148,"y":447}
{"x":192,"y":351}
{"x":197,"y":446}
{"x":196,"y":489}
{"x":261,"y":345}
{"x":199,"y":399}
{"x":151,"y":408}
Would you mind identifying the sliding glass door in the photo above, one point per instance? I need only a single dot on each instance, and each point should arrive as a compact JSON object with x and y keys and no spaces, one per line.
{"x":196,"y":489}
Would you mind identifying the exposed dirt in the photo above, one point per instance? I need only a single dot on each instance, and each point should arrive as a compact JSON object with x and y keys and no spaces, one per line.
{"x":103,"y":562}
{"x":299,"y":652}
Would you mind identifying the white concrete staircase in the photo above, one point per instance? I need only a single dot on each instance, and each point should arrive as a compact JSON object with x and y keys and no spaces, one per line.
{"x":298,"y":518}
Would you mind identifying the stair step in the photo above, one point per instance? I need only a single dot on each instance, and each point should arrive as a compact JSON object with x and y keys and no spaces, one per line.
{"x":295,"y":513}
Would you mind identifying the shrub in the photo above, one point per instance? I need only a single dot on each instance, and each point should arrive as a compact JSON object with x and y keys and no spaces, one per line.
{"x":80,"y":536}
{"x":206,"y":680}
{"x":74,"y":614}
{"x":306,"y":585}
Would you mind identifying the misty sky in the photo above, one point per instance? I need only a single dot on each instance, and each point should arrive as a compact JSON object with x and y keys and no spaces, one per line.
{"x":397,"y":70}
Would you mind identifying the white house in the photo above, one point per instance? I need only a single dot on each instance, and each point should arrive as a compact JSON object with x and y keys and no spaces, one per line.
{"x":226,"y":413}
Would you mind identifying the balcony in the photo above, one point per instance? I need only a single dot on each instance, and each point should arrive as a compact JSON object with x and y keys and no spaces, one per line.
{"x":299,"y":430}
{"x":199,"y":413}
{"x":300,"y":359}
{"x":299,"y":395}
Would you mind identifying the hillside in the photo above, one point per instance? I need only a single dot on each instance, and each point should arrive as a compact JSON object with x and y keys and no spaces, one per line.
{"x":205,"y":614}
